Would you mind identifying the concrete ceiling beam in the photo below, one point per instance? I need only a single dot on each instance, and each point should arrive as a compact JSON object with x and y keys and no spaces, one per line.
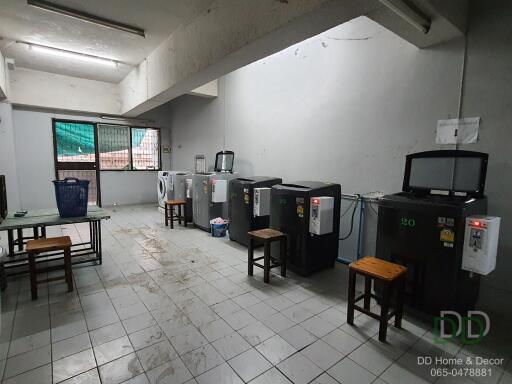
{"x":229,"y":35}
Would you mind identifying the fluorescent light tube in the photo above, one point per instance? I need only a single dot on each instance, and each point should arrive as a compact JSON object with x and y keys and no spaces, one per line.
{"x":72,"y":55}
{"x":56,"y":8}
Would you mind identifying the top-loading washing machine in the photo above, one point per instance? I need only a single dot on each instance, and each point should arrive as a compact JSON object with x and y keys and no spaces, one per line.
{"x":210,"y":191}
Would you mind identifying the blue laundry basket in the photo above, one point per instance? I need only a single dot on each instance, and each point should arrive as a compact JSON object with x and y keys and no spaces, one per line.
{"x":219,"y":230}
{"x":72,"y":196}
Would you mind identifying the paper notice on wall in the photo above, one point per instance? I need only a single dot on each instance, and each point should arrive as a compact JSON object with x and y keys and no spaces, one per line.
{"x":458,"y":131}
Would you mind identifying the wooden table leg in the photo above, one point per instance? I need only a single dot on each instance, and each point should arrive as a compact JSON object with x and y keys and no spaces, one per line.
{"x":33,"y":275}
{"x":179,"y":214}
{"x":171,"y":209}
{"x":250,"y":257}
{"x":99,"y":243}
{"x":166,"y":210}
{"x":20,"y":239}
{"x":384,"y":309}
{"x":10,"y":240}
{"x":3,"y":277}
{"x":367,"y":292}
{"x":400,"y":293}
{"x":68,"y":269}
{"x":185,"y":215}
{"x":284,"y":256}
{"x":351,"y":296}
{"x":266,"y":262}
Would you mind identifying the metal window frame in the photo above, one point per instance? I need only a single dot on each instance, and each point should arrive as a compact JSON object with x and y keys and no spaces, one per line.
{"x":130,"y":149}
{"x":159,"y":146}
{"x":97,"y":167}
{"x":76,"y":165}
{"x":130,"y":163}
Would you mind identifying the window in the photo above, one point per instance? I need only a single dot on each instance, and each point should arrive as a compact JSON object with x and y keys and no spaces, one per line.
{"x":114,"y":144}
{"x":75,"y":142}
{"x":128,"y":148}
{"x":145,"y":145}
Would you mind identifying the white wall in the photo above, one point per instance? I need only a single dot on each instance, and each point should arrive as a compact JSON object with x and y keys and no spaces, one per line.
{"x":7,"y":155}
{"x":349,"y":104}
{"x":326,"y":109}
{"x":48,"y":90}
{"x":35,"y":165}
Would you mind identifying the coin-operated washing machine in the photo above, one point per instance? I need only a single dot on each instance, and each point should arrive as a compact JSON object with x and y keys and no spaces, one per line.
{"x":249,"y":205}
{"x":309,"y":212}
{"x":210,"y":191}
{"x":182,"y":188}
{"x":166,"y":185}
{"x":161,"y":187}
{"x":481,"y":244}
{"x":434,"y":228}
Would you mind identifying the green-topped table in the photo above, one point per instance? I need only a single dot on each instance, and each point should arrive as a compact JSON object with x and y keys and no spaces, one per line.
{"x":38,"y":220}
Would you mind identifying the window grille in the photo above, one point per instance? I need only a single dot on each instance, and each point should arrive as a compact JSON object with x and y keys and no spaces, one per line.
{"x":114,"y":146}
{"x":145,"y":148}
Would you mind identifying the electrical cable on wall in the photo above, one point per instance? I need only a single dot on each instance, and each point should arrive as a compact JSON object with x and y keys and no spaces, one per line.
{"x":353,"y":206}
{"x":356,"y":201}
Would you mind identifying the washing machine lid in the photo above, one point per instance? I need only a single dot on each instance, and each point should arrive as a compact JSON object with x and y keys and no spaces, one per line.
{"x":224,"y":161}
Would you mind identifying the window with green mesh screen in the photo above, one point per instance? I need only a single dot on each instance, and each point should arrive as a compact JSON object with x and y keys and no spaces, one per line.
{"x":75,"y":142}
{"x":120,"y":147}
{"x":114,"y":146}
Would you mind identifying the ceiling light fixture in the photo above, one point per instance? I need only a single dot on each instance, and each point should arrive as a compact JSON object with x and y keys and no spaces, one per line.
{"x":71,"y":54}
{"x":410,"y":15}
{"x":47,"y":6}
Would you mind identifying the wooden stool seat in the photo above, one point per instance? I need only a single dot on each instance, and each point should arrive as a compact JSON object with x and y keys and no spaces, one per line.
{"x":391,"y":277}
{"x":267,"y":236}
{"x":35,"y":247}
{"x":175,"y":202}
{"x":169,"y":212}
{"x":377,"y":268}
{"x":48,"y":244}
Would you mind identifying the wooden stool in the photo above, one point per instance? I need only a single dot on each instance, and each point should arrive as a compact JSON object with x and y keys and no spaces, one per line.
{"x":267,"y":236}
{"x":169,"y":212}
{"x":390,"y":277}
{"x":35,"y":247}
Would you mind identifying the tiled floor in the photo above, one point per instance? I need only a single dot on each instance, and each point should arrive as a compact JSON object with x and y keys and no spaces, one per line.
{"x":176,"y":306}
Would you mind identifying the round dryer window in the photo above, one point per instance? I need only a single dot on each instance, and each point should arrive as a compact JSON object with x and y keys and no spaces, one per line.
{"x":162,"y":188}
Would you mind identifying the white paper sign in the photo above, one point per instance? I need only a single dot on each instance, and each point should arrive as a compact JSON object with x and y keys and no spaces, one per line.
{"x":458,"y":131}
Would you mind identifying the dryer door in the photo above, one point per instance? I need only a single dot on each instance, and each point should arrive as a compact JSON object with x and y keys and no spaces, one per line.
{"x":162,"y":191}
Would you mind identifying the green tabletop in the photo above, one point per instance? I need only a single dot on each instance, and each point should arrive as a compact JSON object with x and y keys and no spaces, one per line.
{"x":48,"y":217}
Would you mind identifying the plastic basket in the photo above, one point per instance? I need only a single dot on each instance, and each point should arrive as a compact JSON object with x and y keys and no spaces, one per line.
{"x":72,"y":196}
{"x":219,"y":230}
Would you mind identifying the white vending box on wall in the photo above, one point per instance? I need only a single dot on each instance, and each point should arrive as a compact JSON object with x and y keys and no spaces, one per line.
{"x":261,"y":202}
{"x":219,"y":191}
{"x":321,"y":211}
{"x":481,"y":244}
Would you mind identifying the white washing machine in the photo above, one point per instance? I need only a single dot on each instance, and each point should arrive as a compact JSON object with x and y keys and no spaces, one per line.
{"x":168,"y":185}
{"x":162,"y":187}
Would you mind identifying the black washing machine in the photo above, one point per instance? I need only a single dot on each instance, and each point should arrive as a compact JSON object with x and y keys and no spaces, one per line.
{"x":296,"y":208}
{"x":249,"y":205}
